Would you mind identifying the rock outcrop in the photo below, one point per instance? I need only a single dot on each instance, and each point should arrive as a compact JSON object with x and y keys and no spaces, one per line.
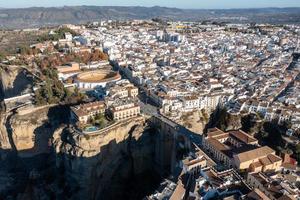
{"x":195,"y":121}
{"x":4,"y":140}
{"x":26,"y":157}
{"x":13,"y":81}
{"x":52,"y":158}
{"x":31,"y":132}
{"x":7,"y":78}
{"x":98,"y":165}
{"x":224,"y":120}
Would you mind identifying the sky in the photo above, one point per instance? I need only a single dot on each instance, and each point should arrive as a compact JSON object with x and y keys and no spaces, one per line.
{"x":197,"y":4}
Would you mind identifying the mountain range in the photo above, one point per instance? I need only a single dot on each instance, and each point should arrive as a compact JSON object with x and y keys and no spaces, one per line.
{"x":40,"y":16}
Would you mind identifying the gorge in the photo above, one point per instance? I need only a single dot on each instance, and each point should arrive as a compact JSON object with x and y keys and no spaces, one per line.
{"x":43,"y":156}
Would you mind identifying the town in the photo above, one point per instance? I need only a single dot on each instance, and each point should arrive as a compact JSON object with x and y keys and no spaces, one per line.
{"x":231,"y":91}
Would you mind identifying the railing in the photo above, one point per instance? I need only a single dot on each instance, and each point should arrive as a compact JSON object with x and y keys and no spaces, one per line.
{"x":7,"y":100}
{"x":100,"y":131}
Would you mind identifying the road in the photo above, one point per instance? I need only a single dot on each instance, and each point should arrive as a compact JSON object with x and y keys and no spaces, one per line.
{"x":148,"y":107}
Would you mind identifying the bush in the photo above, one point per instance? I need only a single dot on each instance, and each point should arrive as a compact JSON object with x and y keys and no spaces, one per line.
{"x":59,"y":34}
{"x":52,"y":91}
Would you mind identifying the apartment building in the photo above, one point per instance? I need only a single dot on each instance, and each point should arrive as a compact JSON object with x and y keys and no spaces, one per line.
{"x":272,"y":189}
{"x":123,"y":91}
{"x":83,"y":112}
{"x":240,"y":150}
{"x":259,"y":159}
{"x":124,"y":109}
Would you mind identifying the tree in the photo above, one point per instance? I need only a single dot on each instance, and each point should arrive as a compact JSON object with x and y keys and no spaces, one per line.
{"x":91,"y":120}
{"x":76,"y":92}
{"x":297,"y":152}
{"x":52,"y":91}
{"x":58,"y":34}
{"x":297,"y":149}
{"x":274,"y":138}
{"x":2,"y":56}
{"x":39,"y":99}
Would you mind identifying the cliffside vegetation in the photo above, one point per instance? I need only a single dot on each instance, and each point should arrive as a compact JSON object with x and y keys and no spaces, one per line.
{"x":271,"y":135}
{"x":268,"y":133}
{"x":52,"y":91}
{"x":221,"y":119}
{"x":100,"y":121}
{"x":57,"y":59}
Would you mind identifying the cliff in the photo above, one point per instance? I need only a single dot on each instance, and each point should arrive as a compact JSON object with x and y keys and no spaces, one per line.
{"x":8,"y":78}
{"x":47,"y":156}
{"x":102,"y":165}
{"x":194,"y":121}
{"x":4,"y":140}
{"x":13,"y":81}
{"x":27,"y":162}
{"x":226,"y":121}
{"x":31,"y":132}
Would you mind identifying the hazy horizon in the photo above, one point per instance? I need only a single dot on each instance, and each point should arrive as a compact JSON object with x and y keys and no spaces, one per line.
{"x":149,"y":7}
{"x":191,"y":4}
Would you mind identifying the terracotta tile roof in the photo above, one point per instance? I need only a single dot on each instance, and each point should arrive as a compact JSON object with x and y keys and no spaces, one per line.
{"x":256,"y":164}
{"x":179,"y":192}
{"x":85,"y":109}
{"x":242,"y":136}
{"x":257,"y":195}
{"x":217,"y":145}
{"x":289,"y":166}
{"x":255,"y":154}
{"x":222,"y":136}
{"x":214,"y":132}
{"x":287,"y":197}
{"x":273,"y":158}
{"x":265,"y":161}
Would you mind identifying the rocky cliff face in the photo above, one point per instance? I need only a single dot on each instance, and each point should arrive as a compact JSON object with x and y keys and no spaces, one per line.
{"x":102,"y":166}
{"x":31,"y":132}
{"x":4,"y":140}
{"x":13,"y":81}
{"x":7,"y":78}
{"x":44,"y":156}
{"x":222,"y":119}
{"x":27,"y":162}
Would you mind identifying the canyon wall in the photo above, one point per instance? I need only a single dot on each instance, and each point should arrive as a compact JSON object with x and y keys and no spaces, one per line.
{"x":4,"y":140}
{"x":26,"y":156}
{"x":103,"y":165}
{"x":47,"y":155}
{"x":13,"y":81}
{"x":226,"y":121}
{"x":7,"y":79}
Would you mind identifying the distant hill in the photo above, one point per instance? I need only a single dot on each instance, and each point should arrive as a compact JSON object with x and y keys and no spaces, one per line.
{"x":39,"y":16}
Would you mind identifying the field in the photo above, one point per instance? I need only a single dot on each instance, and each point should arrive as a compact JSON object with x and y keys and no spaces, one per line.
{"x":12,"y":40}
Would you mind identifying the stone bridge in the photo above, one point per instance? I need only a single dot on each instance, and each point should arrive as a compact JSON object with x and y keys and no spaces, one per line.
{"x":174,"y":140}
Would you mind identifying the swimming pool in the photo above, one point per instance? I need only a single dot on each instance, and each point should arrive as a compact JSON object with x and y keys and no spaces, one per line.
{"x":91,"y":129}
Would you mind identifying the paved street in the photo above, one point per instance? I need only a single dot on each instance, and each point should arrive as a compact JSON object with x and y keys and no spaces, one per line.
{"x":147,"y":105}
